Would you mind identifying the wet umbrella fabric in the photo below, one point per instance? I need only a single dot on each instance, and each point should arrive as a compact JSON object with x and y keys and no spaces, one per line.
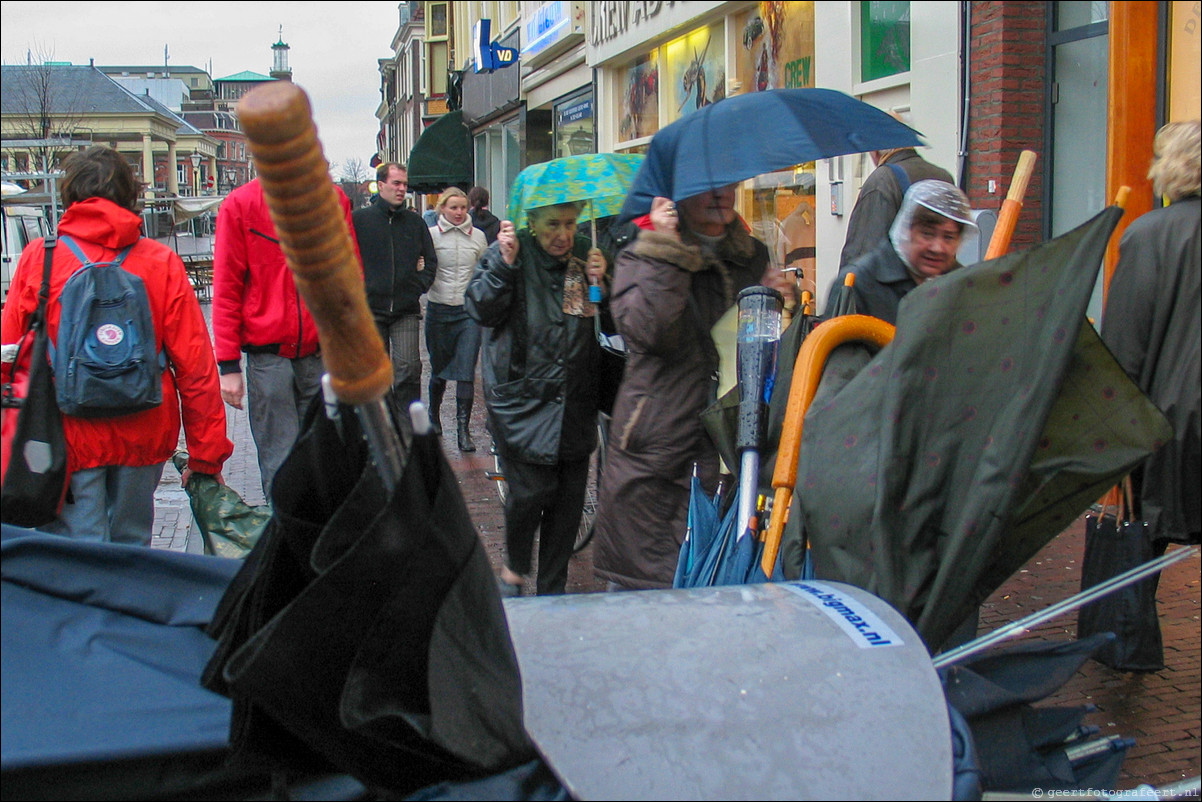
{"x":387,"y":601}
{"x":228,"y":525}
{"x":713,"y":553}
{"x":721,"y":144}
{"x":989,"y":423}
{"x":602,"y":179}
{"x":1020,"y":747}
{"x":703,"y":520}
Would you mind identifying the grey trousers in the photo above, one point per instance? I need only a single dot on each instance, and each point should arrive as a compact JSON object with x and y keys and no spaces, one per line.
{"x":402,"y":341}
{"x":278,"y":391}
{"x":114,"y":504}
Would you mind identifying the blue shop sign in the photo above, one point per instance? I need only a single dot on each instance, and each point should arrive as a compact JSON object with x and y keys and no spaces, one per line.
{"x":547,"y":26}
{"x":576,"y":112}
{"x":490,"y":55}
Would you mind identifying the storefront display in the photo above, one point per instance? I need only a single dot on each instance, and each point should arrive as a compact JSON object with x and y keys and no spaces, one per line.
{"x":574,"y":129}
{"x":776,"y":51}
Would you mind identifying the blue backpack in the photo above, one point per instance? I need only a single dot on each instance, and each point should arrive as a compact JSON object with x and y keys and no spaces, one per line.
{"x":105,"y":361}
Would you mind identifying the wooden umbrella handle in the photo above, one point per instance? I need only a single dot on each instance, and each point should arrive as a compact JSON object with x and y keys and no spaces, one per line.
{"x":311,"y":226}
{"x":1011,"y":206}
{"x":807,"y":373}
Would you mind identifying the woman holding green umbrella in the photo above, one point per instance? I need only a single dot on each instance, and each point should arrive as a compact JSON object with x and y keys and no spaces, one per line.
{"x":540,"y":364}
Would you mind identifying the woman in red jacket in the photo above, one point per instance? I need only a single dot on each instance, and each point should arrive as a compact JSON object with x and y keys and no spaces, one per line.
{"x":116,"y":462}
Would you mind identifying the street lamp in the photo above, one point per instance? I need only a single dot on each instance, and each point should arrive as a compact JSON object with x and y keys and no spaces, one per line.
{"x":195,"y":157}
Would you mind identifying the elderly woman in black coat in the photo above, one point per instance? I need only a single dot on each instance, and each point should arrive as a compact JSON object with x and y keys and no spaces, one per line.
{"x":540,"y":369}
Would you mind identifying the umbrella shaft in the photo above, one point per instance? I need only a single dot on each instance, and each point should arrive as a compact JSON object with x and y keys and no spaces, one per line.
{"x":749,"y":476}
{"x":1071,"y":603}
{"x":382,"y":440}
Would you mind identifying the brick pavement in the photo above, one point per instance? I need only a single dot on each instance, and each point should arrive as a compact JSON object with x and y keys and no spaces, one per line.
{"x":1160,"y":710}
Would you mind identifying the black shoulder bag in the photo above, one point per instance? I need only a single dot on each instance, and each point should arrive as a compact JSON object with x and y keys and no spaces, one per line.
{"x":35,"y":477}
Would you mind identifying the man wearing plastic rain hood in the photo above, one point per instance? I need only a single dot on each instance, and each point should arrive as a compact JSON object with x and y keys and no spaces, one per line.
{"x":922,"y":245}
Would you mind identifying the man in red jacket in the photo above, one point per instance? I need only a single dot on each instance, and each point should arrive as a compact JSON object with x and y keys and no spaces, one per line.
{"x":116,"y":462}
{"x":257,"y":310}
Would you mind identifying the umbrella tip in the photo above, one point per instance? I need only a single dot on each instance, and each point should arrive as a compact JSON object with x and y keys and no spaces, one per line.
{"x":419,"y":416}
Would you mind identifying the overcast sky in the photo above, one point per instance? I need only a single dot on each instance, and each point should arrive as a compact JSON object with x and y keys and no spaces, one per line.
{"x":334,"y":48}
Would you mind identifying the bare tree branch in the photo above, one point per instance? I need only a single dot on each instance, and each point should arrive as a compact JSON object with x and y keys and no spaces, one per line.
{"x":43,"y":111}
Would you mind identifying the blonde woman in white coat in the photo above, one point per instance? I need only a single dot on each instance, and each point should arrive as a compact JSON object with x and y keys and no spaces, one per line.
{"x":452,"y":337}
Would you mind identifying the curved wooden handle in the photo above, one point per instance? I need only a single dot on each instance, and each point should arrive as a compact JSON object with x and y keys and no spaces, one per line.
{"x":278,"y":122}
{"x":1008,"y":218}
{"x":807,"y":373}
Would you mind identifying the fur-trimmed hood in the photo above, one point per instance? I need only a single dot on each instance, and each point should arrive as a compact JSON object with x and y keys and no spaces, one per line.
{"x":737,"y":249}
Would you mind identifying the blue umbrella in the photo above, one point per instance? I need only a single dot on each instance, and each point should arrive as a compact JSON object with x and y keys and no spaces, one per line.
{"x":710,"y":564}
{"x":717,"y":145}
{"x":713,"y":553}
{"x":704,"y":516}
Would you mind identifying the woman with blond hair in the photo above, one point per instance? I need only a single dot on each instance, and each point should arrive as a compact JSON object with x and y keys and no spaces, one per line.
{"x":1153,"y":326}
{"x":452,"y":337}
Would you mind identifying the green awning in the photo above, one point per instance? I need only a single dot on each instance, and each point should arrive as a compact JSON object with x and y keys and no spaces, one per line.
{"x":442,"y":156}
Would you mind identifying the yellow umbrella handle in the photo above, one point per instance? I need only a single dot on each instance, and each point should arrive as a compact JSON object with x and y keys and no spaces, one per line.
{"x":1011,"y":206}
{"x":807,"y":373}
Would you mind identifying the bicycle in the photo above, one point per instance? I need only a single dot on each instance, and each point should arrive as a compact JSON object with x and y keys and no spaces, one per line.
{"x":588,"y":519}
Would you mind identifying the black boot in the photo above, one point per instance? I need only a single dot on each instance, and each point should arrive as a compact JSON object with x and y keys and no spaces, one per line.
{"x":463,"y":417}
{"x":437,"y":388}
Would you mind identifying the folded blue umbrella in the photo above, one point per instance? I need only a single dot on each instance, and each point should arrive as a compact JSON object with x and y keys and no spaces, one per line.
{"x":710,"y":564}
{"x":703,"y":519}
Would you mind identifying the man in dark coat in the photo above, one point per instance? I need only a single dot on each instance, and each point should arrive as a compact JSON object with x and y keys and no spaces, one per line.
{"x":881,"y":197}
{"x":921,"y":245}
{"x":399,"y":265}
{"x":1153,"y":326}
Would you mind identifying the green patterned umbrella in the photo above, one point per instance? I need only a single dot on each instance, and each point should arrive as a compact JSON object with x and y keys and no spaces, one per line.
{"x":602,"y":179}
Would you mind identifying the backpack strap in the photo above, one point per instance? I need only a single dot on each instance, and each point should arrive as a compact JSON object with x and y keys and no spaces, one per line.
{"x":903,"y":178}
{"x":44,"y":291}
{"x":83,"y":257}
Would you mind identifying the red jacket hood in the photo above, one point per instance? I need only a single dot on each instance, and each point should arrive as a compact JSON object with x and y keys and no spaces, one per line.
{"x":101,"y":221}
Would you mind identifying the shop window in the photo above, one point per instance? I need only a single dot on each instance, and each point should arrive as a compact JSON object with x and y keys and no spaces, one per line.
{"x":436,"y":22}
{"x":574,"y":130}
{"x":1185,"y":100}
{"x":884,"y":39}
{"x":639,"y":101}
{"x":436,"y":63}
{"x":695,"y":71}
{"x":776,"y":47}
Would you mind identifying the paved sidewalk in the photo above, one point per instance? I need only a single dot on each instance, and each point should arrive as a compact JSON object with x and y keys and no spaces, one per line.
{"x":1160,"y":710}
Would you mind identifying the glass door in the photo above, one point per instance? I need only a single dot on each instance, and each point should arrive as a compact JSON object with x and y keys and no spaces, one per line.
{"x":1079,"y":63}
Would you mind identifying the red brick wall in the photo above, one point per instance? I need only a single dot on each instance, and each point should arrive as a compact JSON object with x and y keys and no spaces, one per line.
{"x":1006,"y":115}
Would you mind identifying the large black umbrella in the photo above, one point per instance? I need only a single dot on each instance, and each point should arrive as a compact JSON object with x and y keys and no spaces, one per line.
{"x":365,"y":628}
{"x":1020,"y":747}
{"x":367,"y":624}
{"x":989,"y":423}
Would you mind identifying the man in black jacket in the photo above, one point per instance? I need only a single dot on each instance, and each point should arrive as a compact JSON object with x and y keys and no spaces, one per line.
{"x":920,"y":246}
{"x":881,"y":195}
{"x":399,"y":264}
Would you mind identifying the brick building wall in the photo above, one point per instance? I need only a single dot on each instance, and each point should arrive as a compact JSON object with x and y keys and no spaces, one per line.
{"x":1007,"y":73}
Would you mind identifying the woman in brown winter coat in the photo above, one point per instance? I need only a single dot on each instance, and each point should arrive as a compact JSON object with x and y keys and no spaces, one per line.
{"x":671,"y":286}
